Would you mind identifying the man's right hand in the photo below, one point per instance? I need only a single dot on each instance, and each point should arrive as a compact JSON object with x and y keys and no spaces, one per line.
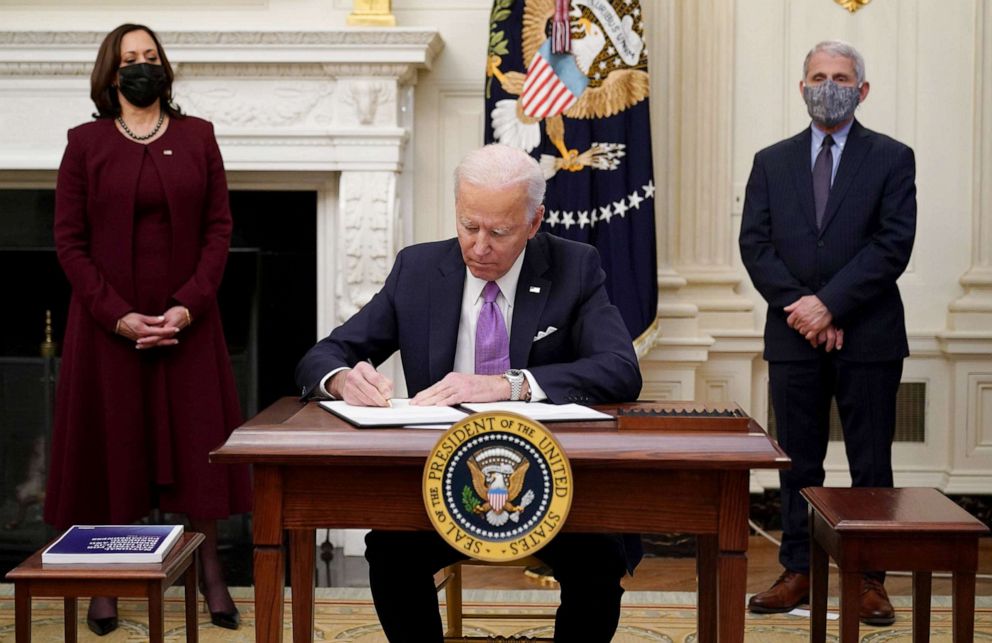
{"x":361,"y":386}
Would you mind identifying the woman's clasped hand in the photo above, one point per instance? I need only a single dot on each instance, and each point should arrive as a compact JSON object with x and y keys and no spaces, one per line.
{"x":152,"y":331}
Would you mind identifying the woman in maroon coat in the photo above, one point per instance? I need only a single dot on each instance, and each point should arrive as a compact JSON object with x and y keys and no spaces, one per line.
{"x":142,"y":227}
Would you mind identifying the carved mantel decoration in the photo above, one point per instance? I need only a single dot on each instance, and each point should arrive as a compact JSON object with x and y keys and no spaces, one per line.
{"x":324,"y":110}
{"x":852,"y":5}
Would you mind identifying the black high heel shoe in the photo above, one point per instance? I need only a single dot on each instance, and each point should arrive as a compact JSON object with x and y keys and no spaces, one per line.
{"x":107,"y":624}
{"x":102,"y":626}
{"x":227,"y":620}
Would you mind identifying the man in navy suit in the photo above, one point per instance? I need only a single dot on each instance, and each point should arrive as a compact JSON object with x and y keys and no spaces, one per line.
{"x":566,"y":343}
{"x":828,"y":227}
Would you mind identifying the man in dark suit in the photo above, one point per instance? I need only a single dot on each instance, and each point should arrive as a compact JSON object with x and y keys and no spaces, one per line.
{"x":499,"y":313}
{"x":828,"y":227}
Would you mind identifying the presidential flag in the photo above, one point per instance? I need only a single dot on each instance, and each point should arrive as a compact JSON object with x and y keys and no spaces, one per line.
{"x":567,"y":81}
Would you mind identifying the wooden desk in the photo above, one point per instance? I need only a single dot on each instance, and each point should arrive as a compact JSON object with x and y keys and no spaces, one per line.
{"x":313,"y":470}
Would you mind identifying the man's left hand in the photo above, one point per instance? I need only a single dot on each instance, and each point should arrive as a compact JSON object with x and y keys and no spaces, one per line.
{"x":456,"y":388}
{"x":809,"y":316}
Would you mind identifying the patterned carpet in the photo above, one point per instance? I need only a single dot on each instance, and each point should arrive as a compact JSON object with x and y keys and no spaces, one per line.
{"x":347,"y":616}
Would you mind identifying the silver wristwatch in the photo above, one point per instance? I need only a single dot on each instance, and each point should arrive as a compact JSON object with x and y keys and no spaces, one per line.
{"x":516,"y":379}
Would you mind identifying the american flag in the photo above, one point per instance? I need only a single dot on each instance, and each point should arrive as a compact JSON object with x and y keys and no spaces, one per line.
{"x":554,"y":82}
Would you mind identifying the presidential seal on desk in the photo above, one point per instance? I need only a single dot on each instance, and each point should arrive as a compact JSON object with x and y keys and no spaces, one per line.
{"x":497,"y":486}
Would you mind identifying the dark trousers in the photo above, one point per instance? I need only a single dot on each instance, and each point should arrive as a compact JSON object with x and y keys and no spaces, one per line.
{"x":801,"y":392}
{"x":401,"y":572}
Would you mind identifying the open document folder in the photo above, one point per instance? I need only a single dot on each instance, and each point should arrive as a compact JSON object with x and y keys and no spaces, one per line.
{"x":402,"y":413}
{"x":399,"y":413}
{"x":540,"y":411}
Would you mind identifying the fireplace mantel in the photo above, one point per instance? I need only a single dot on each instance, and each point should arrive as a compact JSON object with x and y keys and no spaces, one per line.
{"x":280,"y":100}
{"x":330,"y":111}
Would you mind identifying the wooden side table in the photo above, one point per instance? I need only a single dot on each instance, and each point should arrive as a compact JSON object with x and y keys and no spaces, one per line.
{"x":31,"y":578}
{"x":869,"y":529}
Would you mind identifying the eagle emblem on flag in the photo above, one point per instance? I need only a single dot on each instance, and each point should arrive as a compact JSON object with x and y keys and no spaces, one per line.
{"x":498,"y":476}
{"x":603,"y":74}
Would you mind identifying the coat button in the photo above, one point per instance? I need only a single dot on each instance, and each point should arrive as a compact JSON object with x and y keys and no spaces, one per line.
{"x":819,"y":244}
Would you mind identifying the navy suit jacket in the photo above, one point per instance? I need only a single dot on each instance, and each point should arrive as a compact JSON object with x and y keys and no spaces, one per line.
{"x":590,"y":359}
{"x":852,"y":262}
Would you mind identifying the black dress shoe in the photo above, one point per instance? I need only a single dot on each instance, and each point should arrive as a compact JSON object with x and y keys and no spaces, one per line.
{"x":102,"y":626}
{"x":228,"y":620}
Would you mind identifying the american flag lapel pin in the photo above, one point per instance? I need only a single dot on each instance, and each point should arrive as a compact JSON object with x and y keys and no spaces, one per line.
{"x":535,"y":289}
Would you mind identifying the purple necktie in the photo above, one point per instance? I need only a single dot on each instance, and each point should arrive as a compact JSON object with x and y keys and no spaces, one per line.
{"x":823,"y":169}
{"x":492,"y":344}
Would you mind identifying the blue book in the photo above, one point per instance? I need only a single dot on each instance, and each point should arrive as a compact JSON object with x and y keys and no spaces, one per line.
{"x":103,"y":544}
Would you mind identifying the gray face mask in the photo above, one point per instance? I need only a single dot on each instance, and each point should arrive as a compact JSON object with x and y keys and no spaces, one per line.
{"x":829,"y":103}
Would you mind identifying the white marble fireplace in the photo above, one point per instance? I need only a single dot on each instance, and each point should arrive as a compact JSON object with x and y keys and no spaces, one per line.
{"x":327,"y":111}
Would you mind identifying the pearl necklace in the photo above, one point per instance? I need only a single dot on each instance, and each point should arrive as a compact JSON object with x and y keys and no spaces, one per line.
{"x":127,"y":130}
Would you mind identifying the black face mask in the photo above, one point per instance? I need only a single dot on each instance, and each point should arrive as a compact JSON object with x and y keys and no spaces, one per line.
{"x":142,"y":84}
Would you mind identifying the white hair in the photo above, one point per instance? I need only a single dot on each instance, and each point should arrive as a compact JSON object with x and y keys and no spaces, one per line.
{"x":838,"y":48}
{"x":501,"y":166}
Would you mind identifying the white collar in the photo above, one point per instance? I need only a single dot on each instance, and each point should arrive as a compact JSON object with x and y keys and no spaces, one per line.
{"x":840,"y":136}
{"x":507,"y":283}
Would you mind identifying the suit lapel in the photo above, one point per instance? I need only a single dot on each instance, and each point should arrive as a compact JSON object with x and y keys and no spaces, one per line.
{"x":855,"y":150}
{"x":802,"y":174}
{"x":528,"y":304}
{"x":445,"y":304}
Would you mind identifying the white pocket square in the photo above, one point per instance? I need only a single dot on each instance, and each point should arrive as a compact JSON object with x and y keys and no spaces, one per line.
{"x":541,"y":334}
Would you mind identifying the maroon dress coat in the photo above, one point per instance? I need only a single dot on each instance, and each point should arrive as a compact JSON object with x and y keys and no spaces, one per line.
{"x":133,"y":428}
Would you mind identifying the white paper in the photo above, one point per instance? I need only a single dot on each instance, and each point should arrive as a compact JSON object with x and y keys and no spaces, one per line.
{"x":399,"y":413}
{"x":798,"y":611}
{"x":539,"y":411}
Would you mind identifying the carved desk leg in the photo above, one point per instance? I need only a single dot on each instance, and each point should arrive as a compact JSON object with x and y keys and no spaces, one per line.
{"x":189,"y":581}
{"x":732,"y":560}
{"x":22,"y":612}
{"x":707,"y":552}
{"x":302,"y":546}
{"x":269,"y":559}
{"x":963,"y":603}
{"x":819,"y":574}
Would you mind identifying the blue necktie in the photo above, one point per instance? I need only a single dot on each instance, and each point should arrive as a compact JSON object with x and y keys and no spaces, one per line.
{"x":823,"y":170}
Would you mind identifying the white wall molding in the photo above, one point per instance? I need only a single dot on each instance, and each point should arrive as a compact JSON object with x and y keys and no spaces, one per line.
{"x":705,"y":243}
{"x":973,"y":311}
